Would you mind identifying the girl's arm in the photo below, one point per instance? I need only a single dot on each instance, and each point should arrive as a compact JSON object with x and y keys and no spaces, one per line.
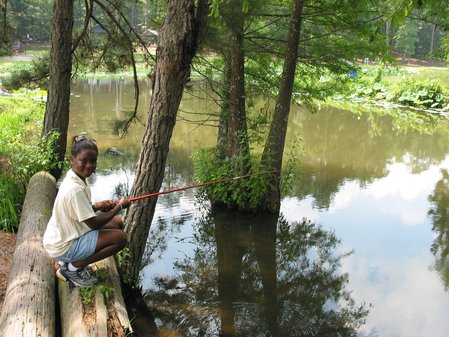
{"x":102,"y":219}
{"x":104,"y":206}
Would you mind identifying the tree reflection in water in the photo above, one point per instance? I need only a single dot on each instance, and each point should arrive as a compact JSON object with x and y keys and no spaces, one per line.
{"x":439,"y":213}
{"x":258,"y":275}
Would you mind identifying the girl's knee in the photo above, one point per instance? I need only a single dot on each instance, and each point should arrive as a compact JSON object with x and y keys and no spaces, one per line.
{"x":117,"y":222}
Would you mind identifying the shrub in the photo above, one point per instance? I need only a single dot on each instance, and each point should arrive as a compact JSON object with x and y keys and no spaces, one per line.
{"x":28,"y":75}
{"x":420,"y":94}
{"x":23,"y":151}
{"x":374,"y":90}
{"x":243,"y":194}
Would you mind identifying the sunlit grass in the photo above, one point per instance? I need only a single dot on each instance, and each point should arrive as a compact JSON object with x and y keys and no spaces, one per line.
{"x":426,"y":73}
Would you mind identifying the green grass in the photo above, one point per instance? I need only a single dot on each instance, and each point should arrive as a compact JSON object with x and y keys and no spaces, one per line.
{"x":421,"y":74}
{"x":425,"y":73}
{"x":13,"y":194}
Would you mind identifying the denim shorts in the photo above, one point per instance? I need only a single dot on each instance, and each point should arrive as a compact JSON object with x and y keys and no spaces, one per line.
{"x":81,"y":248}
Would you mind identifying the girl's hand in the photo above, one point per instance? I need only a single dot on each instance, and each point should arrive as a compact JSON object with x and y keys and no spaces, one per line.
{"x":124,"y":202}
{"x":104,"y":206}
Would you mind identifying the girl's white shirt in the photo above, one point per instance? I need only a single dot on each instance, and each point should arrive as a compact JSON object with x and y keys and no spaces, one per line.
{"x":71,"y":208}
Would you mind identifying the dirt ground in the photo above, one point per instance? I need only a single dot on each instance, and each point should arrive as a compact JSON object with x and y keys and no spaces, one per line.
{"x":7,"y":244}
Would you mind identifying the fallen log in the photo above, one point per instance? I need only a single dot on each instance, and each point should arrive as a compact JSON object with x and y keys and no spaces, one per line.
{"x":29,"y":305}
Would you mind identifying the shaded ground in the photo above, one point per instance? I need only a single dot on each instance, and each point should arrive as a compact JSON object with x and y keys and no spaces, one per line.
{"x":413,"y":62}
{"x":7,"y":244}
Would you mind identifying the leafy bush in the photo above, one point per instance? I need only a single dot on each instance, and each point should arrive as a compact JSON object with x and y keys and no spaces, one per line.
{"x":28,"y":75}
{"x":413,"y":93}
{"x":238,"y":193}
{"x":23,"y":151}
{"x":427,"y":94}
{"x":375,"y":90}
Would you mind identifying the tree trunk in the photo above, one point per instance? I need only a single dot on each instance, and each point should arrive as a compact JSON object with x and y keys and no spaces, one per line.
{"x":58,"y":100}
{"x":176,"y":48}
{"x":388,"y":33}
{"x":222,"y":134}
{"x":235,"y":145}
{"x":29,"y":305}
{"x":4,"y":37}
{"x":274,"y":147}
{"x":432,"y":42}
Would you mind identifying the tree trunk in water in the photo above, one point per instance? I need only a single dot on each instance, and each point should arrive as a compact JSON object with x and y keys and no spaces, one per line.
{"x":58,"y":100}
{"x":232,"y":140}
{"x":176,"y":48}
{"x":222,"y":134}
{"x":274,"y":147}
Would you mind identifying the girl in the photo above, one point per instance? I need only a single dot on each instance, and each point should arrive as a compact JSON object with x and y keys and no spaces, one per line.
{"x":75,"y":235}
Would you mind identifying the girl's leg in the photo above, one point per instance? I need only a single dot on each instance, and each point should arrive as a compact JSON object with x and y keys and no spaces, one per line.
{"x":111,"y":240}
{"x":115,"y":223}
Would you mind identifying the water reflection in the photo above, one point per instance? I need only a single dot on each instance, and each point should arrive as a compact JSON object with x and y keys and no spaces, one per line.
{"x":366,"y":177}
{"x":359,"y":147}
{"x":439,"y":213}
{"x":258,"y":275}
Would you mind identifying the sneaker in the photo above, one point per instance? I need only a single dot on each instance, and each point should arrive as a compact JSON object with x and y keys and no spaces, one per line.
{"x":80,"y":278}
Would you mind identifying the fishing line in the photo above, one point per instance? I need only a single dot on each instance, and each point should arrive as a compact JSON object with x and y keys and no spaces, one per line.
{"x":202,"y":184}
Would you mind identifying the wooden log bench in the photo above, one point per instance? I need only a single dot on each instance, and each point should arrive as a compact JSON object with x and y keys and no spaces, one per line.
{"x":29,"y":304}
{"x":30,"y":300}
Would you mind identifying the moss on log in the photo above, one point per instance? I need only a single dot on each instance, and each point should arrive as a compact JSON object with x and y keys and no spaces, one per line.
{"x":29,"y":305}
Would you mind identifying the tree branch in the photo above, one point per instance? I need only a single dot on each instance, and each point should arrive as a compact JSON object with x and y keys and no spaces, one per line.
{"x":128,"y":122}
{"x":89,"y":8}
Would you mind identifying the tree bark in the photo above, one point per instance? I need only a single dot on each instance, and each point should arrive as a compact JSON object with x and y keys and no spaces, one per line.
{"x":4,"y":36}
{"x":274,"y":147}
{"x":388,"y":33}
{"x":58,"y":97}
{"x":176,"y":47}
{"x":432,"y":42}
{"x":29,"y":305}
{"x":233,"y":127}
{"x":222,"y":134}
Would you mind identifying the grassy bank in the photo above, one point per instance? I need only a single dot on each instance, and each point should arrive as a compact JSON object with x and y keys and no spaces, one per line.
{"x":421,"y":73}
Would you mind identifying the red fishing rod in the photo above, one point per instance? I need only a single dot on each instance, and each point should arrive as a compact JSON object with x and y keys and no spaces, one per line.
{"x":202,"y":184}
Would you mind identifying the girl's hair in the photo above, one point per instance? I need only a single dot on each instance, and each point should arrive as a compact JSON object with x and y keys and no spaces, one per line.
{"x":80,"y":143}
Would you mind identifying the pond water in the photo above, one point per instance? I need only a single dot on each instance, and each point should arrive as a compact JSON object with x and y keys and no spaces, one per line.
{"x":361,"y":236}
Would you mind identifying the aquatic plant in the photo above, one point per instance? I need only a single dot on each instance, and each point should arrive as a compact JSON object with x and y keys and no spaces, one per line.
{"x":427,"y":94}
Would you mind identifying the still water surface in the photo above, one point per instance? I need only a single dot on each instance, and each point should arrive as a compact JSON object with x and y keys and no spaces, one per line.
{"x":361,"y":235}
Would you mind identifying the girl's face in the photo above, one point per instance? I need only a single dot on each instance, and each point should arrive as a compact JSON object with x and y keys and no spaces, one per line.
{"x":84,"y":163}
